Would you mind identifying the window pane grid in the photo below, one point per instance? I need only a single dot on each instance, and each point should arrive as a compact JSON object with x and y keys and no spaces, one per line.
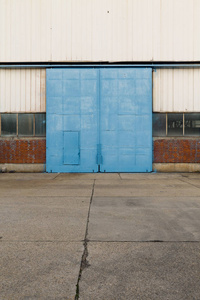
{"x":23,"y":124}
{"x":9,"y":124}
{"x":176,"y":124}
{"x":192,"y":124}
{"x":164,"y":124}
{"x":34,"y":125}
{"x":40,"y":125}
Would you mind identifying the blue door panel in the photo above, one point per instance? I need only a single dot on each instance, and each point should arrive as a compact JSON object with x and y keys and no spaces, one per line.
{"x":56,"y":74}
{"x":71,"y":122}
{"x":71,"y":148}
{"x":71,"y":105}
{"x":110,"y":140}
{"x":71,"y":88}
{"x":73,"y":74}
{"x":127,"y":105}
{"x":127,"y":127}
{"x":75,"y":118}
{"x":55,"y":88}
{"x":99,"y":118}
{"x":55,"y":105}
{"x":126,"y":121}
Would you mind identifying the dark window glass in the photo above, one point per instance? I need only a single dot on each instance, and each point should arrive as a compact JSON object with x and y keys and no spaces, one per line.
{"x":175,"y":124}
{"x":25,"y":124}
{"x":192,"y":124}
{"x":159,"y":124}
{"x":40,"y":124}
{"x":8,"y":124}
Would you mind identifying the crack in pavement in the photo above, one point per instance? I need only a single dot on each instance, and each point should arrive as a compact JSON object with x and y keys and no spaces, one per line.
{"x":56,"y":176}
{"x":145,"y":241}
{"x":120,"y":176}
{"x":84,"y":262}
{"x":182,"y":180}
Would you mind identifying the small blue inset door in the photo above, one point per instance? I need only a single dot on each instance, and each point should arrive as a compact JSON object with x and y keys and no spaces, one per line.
{"x":71,"y":154}
{"x":99,"y":120}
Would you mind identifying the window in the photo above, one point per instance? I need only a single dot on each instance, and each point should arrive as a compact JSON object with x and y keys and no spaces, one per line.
{"x":159,"y":125}
{"x":40,"y":124}
{"x":176,"y":124}
{"x":8,"y":124}
{"x":23,"y":124}
{"x":192,"y":124}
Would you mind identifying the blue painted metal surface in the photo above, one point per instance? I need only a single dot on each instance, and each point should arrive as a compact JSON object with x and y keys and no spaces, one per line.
{"x":126,"y":120}
{"x":99,"y":119}
{"x":71,"y":149}
{"x":72,"y":106}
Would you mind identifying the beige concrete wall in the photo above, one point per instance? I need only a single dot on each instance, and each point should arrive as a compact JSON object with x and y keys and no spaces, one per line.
{"x":158,"y":167}
{"x":23,"y":168}
{"x":176,"y":167}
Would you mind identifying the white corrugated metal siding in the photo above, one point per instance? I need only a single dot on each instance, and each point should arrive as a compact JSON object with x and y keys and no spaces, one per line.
{"x":176,"y":90}
{"x":99,"y":30}
{"x":22,"y":90}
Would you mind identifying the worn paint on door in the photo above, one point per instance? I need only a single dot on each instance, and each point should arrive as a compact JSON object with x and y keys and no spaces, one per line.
{"x":72,"y":96}
{"x":126,"y":119}
{"x":99,"y":119}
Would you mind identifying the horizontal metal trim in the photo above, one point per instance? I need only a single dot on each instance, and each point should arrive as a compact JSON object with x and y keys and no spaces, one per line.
{"x":22,"y":138}
{"x":175,"y":138}
{"x":101,"y":65}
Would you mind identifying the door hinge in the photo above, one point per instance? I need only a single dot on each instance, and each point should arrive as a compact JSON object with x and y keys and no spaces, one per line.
{"x":99,"y":156}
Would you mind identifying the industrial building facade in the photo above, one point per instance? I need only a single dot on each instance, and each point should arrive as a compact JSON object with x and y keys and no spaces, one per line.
{"x":99,"y":85}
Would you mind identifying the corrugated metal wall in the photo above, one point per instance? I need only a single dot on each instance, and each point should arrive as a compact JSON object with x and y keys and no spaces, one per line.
{"x":22,"y":90}
{"x":176,"y":90}
{"x":99,"y":30}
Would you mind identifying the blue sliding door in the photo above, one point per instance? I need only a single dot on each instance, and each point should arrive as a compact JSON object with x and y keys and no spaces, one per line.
{"x":99,"y":119}
{"x":72,"y":96}
{"x":126,"y":120}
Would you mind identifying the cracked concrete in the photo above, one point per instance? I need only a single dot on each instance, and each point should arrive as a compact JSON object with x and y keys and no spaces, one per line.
{"x":100,"y":236}
{"x":84,"y":262}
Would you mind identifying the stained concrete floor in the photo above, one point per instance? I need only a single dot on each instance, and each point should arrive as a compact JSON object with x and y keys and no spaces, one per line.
{"x":100,"y":236}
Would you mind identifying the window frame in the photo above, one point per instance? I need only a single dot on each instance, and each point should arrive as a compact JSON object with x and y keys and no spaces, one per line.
{"x":17,"y":126}
{"x":183,"y":129}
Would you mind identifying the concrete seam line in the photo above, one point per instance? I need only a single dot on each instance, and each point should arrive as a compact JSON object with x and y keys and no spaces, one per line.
{"x":189,"y":183}
{"x":84,"y":262}
{"x":142,"y":242}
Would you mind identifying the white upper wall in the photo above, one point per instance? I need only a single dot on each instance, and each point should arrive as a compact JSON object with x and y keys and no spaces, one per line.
{"x":99,"y":30}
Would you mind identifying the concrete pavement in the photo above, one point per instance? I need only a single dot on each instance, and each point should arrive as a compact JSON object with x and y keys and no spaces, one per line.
{"x":100,"y":236}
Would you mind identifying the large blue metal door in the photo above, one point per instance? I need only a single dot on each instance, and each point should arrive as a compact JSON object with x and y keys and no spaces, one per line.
{"x":126,"y":120}
{"x":99,"y":119}
{"x":72,"y":96}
